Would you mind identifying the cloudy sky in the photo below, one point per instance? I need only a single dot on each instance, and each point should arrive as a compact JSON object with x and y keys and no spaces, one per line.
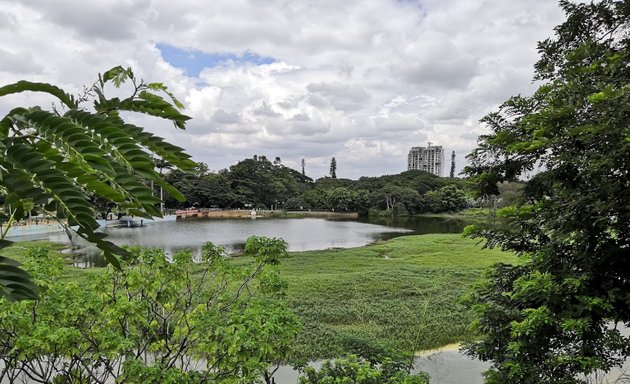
{"x":362,"y":81}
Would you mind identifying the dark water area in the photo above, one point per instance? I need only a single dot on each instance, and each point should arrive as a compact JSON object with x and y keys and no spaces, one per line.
{"x":418,"y":225}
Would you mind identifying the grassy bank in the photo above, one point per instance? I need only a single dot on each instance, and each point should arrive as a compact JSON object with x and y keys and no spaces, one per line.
{"x":402,"y":294}
{"x":482,"y":214}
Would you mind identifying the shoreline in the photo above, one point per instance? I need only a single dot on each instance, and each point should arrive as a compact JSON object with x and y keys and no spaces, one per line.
{"x":246,"y":214}
{"x":445,"y":348}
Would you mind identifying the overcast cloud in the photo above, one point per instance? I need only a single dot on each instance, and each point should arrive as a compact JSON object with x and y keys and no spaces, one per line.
{"x":362,"y":81}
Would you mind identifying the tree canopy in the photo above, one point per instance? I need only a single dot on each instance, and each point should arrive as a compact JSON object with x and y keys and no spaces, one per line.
{"x":259,"y":183}
{"x":61,"y":159}
{"x":556,"y":318}
{"x":184,"y":320}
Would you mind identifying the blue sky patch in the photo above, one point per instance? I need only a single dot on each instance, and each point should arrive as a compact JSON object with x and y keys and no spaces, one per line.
{"x":193,"y":61}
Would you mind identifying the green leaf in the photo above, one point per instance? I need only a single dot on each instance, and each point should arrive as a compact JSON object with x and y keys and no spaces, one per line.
{"x":15,"y":283}
{"x":24,"y":86}
{"x":63,"y":164}
{"x":117,"y":75}
{"x":162,"y":87}
{"x":155,"y":108}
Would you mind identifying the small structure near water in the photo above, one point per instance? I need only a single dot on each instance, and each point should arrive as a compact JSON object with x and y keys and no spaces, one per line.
{"x":190,"y":212}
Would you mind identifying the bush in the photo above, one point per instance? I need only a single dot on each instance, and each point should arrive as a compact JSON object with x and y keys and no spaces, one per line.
{"x":152,"y":321}
{"x":355,"y":370}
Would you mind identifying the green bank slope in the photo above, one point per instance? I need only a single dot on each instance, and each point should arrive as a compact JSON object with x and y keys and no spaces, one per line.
{"x":402,"y":295}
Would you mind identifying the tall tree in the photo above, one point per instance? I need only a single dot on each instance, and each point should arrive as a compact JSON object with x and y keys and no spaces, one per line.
{"x":303,"y":167}
{"x":555,"y":318}
{"x":61,"y":161}
{"x":259,"y":182}
{"x":452,"y":165}
{"x":333,"y":168}
{"x":395,"y":196}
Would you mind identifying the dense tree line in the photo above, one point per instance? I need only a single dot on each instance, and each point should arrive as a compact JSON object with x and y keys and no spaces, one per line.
{"x":258,"y":182}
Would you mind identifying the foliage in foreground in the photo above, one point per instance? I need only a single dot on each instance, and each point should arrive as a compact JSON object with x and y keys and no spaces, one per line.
{"x":65,"y":160}
{"x":557,"y":318}
{"x":352,"y":370}
{"x":152,"y":321}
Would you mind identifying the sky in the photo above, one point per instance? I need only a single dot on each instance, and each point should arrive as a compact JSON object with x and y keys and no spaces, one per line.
{"x":361,"y":81}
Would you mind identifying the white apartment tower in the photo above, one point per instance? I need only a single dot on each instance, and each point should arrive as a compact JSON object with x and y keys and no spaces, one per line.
{"x":429,"y":158}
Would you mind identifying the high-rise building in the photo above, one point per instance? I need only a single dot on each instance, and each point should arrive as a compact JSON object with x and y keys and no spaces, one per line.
{"x":429,"y":158}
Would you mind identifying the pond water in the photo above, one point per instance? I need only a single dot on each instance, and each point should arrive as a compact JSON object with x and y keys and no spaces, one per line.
{"x":301,"y":234}
{"x":448,"y":366}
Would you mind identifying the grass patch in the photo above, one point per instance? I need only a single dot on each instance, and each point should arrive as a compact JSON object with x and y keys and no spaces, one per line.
{"x":402,"y":294}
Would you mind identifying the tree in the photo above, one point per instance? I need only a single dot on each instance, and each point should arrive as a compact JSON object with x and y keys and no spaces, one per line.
{"x":354,"y":370}
{"x":154,"y":320}
{"x":59,"y":160}
{"x":339,"y":199}
{"x":555,"y":318}
{"x":333,"y":168}
{"x":295,"y":203}
{"x":446,"y":199}
{"x":257,"y":181}
{"x":211,"y":190}
{"x":452,"y":174}
{"x":394,"y":197}
{"x":201,"y":169}
{"x":303,"y":167}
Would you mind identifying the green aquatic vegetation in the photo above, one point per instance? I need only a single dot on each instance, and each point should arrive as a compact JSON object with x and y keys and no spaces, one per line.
{"x":398,"y":296}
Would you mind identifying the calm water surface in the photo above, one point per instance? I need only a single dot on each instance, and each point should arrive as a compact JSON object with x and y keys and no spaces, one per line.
{"x":301,"y":234}
{"x":444,"y":367}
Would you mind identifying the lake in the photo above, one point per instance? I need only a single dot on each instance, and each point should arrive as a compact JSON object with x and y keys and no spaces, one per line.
{"x":301,"y":234}
{"x":446,"y":366}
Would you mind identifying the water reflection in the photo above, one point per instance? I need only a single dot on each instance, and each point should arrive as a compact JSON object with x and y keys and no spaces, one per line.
{"x":444,"y":367}
{"x":87,"y":257}
{"x":300,"y":234}
{"x":419,"y":225}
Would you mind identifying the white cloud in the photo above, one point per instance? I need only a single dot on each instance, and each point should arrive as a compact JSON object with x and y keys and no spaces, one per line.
{"x":361,"y":81}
